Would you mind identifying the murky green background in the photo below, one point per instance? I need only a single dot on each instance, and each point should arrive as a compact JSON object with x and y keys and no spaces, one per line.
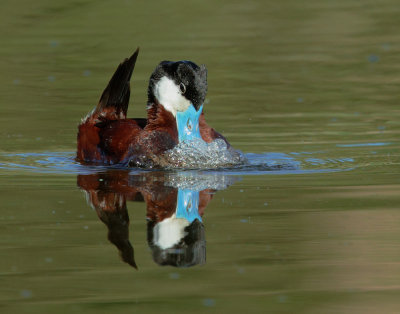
{"x":284,"y":76}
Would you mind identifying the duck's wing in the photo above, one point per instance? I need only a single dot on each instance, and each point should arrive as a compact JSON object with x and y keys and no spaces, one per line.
{"x":114,"y":101}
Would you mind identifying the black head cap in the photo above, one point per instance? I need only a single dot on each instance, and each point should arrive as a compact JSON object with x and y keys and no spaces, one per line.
{"x":191,"y":78}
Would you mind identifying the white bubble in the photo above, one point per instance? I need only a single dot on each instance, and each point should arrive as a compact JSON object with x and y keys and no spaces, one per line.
{"x":199,"y":154}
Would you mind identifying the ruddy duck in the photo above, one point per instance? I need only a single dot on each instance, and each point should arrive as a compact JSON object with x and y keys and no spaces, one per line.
{"x":176,"y":95}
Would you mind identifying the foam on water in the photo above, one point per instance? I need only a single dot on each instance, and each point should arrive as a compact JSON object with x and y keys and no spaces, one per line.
{"x":197,"y":181}
{"x":197,"y":154}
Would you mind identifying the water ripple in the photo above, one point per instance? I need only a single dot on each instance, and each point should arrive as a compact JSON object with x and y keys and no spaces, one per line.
{"x":255,"y":164}
{"x":364,"y":144}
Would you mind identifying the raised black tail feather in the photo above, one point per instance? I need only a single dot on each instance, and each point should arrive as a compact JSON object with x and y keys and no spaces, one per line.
{"x":116,"y":95}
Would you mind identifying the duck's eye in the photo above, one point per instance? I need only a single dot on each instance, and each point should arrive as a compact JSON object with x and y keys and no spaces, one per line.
{"x":182,"y":87}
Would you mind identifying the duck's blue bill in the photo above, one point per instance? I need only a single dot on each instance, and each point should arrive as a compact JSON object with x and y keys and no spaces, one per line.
{"x":187,"y":206}
{"x":188,"y":124}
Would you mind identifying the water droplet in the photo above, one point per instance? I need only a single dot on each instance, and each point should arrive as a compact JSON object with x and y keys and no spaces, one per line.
{"x":26,"y":294}
{"x":386,"y":46}
{"x":241,"y":270}
{"x":373,"y":58}
{"x":54,"y":43}
{"x":174,"y":276}
{"x":209,"y":302}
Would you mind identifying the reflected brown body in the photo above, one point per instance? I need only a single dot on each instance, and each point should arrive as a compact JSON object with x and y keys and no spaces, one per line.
{"x":110,"y":191}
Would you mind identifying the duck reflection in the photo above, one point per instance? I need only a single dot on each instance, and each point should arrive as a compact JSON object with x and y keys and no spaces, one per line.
{"x":175,"y":204}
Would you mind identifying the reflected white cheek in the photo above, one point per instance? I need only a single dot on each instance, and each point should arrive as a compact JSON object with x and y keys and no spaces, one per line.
{"x":168,"y":94}
{"x":169,"y":232}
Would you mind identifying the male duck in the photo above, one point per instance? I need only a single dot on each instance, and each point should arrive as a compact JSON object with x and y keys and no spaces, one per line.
{"x":176,"y":95}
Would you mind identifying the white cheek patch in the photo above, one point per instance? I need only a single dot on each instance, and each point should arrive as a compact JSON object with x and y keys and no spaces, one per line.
{"x":168,"y":94}
{"x":169,"y":232}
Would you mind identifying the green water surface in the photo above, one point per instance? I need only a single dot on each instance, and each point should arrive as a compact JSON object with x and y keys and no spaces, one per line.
{"x":294,"y":77}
